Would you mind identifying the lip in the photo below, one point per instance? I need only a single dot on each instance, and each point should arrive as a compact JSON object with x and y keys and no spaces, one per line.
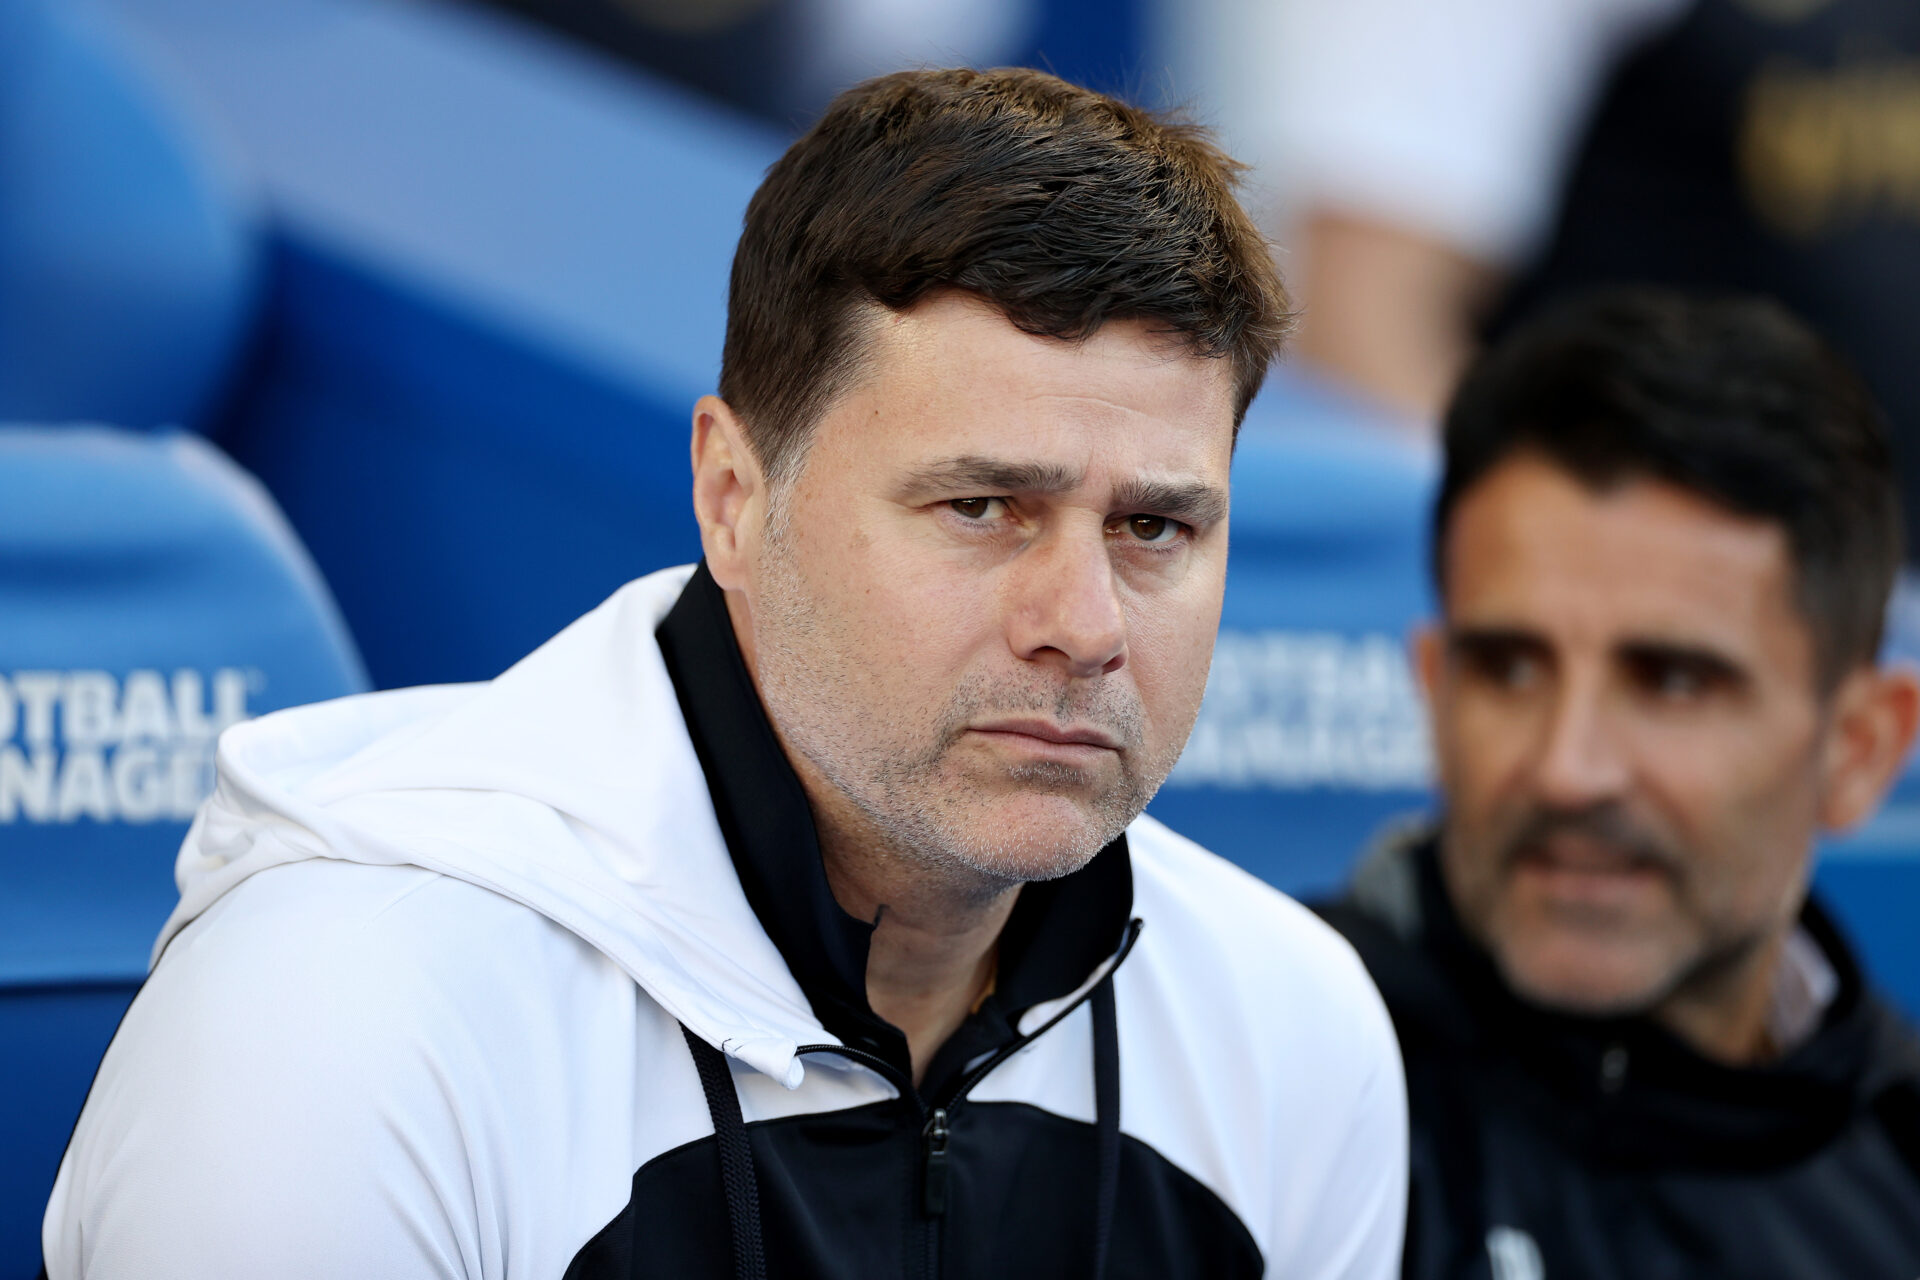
{"x":1586,"y":881}
{"x":1072,"y":735}
{"x":1579,"y":855}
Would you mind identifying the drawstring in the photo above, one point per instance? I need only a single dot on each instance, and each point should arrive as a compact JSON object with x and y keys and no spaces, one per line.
{"x":736,"y":1159}
{"x":736,"y":1156}
{"x":1898,"y":1110}
{"x":1106,"y":1112}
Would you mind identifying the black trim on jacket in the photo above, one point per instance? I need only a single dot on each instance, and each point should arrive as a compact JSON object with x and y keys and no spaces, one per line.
{"x":1619,"y":1150}
{"x":1059,"y":932}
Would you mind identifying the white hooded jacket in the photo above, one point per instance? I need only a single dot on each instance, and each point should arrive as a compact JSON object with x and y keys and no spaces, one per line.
{"x":418,"y":1012}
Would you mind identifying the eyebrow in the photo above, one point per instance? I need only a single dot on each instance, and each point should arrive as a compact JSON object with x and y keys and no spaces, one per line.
{"x":1710,"y":661}
{"x":972,"y":471}
{"x":1465,"y":641}
{"x":1192,"y":502}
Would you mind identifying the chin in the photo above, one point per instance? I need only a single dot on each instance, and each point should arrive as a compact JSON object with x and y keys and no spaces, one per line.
{"x":1033,"y":838}
{"x":1591,"y":981}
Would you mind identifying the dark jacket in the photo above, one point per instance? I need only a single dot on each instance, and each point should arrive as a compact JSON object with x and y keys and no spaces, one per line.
{"x":1570,"y":1148}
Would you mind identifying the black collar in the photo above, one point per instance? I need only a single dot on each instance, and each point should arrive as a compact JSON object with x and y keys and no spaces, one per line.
{"x":1060,"y":930}
{"x":1663,"y":1105}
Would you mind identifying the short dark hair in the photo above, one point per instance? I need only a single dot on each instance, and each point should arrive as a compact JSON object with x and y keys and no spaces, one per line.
{"x":1062,"y":207}
{"x":1730,"y":398}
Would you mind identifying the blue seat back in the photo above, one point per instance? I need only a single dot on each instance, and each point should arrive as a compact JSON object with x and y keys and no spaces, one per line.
{"x":1871,"y":877}
{"x":127,"y":258}
{"x":498,"y":283}
{"x":150,"y":594}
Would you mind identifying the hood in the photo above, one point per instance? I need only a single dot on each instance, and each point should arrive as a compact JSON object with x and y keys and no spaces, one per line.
{"x":564,"y":784}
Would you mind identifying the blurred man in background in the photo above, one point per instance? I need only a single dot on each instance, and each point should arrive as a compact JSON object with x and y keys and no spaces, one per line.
{"x":1635,"y":1047}
{"x":793,"y":914}
{"x":1441,"y":167}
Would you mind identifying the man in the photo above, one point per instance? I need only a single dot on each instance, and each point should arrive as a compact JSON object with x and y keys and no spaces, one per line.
{"x":1635,"y":1047}
{"x":792,"y":915}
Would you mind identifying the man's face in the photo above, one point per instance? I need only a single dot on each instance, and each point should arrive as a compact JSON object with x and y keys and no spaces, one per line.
{"x":1629,"y":732}
{"x":981,"y":616}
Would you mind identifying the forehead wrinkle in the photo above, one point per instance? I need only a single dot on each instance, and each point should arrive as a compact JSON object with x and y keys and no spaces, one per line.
{"x":1155,"y":406}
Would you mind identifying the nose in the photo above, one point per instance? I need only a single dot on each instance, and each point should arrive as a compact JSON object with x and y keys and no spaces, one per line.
{"x":1582,"y":760}
{"x":1066,"y":609}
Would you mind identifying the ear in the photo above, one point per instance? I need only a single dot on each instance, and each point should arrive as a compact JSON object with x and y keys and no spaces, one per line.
{"x":729,"y":491}
{"x":1429,"y":651}
{"x":1875,"y":713}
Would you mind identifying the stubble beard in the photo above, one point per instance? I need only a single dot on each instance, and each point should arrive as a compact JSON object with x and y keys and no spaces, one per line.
{"x":1717,"y":951}
{"x":901,"y":777}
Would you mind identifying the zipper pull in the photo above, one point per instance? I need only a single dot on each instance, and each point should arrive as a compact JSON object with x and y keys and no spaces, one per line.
{"x":934,"y":1187}
{"x":1613,"y":1069}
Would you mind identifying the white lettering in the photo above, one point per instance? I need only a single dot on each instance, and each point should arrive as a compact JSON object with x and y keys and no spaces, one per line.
{"x":229,"y":697}
{"x":140,"y":788}
{"x":83,"y":788}
{"x":144,"y":714}
{"x":137,"y":752}
{"x":89,"y":712}
{"x":23,"y":788}
{"x":189,"y":781}
{"x":188,"y":694}
{"x":1293,"y":710}
{"x":38,"y":690}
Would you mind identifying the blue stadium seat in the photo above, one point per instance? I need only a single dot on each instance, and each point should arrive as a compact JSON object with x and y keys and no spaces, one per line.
{"x":150,"y":594}
{"x":1872,"y":877}
{"x":124,"y":244}
{"x":498,"y":282}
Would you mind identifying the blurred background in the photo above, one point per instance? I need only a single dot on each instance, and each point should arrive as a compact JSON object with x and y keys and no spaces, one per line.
{"x":351,"y":343}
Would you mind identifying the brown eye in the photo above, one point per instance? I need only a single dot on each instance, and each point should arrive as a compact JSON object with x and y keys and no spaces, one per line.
{"x":972,"y":508}
{"x":1680,"y":677}
{"x":1676,"y":682}
{"x":1514,"y":670}
{"x":1500,"y":663}
{"x":1153,"y":529}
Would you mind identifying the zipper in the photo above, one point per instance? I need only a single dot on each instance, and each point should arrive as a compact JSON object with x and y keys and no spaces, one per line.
{"x":933,"y":1180}
{"x":883,"y":1068}
{"x":934,"y":1167}
{"x":1000,"y":1055}
{"x":936,"y":1123}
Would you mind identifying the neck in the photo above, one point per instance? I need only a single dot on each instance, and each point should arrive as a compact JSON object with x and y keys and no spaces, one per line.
{"x":935,"y":930}
{"x":934,"y":935}
{"x":936,"y":927}
{"x":1722,"y":1010}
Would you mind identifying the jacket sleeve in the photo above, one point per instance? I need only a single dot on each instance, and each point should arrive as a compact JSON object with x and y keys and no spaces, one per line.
{"x":270,"y":1107}
{"x":1356,"y":1225}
